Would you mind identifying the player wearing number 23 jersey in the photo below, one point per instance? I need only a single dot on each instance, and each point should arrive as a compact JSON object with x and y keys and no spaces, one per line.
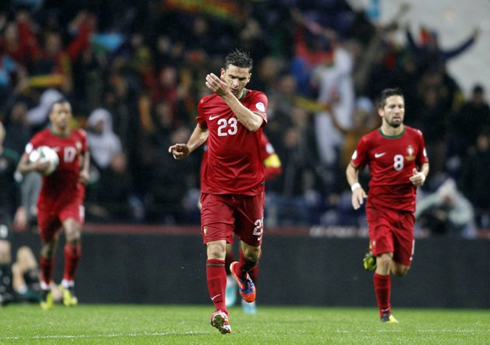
{"x":234,"y":162}
{"x":230,"y":121}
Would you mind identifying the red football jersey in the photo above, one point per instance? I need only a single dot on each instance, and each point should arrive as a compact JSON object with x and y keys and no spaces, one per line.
{"x":234,"y":162}
{"x":63,"y":183}
{"x":266,"y":150}
{"x":391,"y":161}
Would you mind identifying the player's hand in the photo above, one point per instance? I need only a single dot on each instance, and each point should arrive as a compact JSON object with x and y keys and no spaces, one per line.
{"x":84,"y":177}
{"x":179,"y":151}
{"x":358,"y":196}
{"x":39,"y":166}
{"x":418,"y":178}
{"x":217,"y":85}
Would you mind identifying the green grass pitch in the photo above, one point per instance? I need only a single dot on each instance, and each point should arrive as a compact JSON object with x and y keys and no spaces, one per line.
{"x":163,"y":324}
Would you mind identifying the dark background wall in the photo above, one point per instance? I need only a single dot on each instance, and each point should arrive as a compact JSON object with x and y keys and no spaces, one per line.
{"x":295,"y":270}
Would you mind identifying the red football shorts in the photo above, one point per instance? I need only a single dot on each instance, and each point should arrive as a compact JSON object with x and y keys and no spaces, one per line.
{"x":49,"y":219}
{"x":391,"y":231}
{"x":223,"y":215}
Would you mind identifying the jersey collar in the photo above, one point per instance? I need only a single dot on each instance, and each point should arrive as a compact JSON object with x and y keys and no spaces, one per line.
{"x":392,"y":136}
{"x":61,"y":135}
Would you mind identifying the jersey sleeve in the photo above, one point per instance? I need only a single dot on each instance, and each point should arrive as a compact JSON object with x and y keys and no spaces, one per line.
{"x":359,"y":157}
{"x":422,"y":153}
{"x":259,"y":104}
{"x":83,"y":140}
{"x":200,"y":115}
{"x":34,"y":143}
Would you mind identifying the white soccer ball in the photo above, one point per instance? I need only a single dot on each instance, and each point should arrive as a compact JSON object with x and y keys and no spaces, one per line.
{"x":45,"y":154}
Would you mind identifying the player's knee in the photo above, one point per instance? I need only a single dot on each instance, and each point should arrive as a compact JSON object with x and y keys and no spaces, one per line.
{"x":383,"y":262}
{"x":401,"y":271}
{"x":216,"y":250}
{"x":252,"y":253}
{"x":47,"y":250}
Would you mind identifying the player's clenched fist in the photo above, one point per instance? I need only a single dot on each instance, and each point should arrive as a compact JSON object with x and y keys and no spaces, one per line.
{"x":179,"y":151}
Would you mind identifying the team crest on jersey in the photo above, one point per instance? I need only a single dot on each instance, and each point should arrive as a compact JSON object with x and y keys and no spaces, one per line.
{"x":260,"y":106}
{"x":410,"y":152}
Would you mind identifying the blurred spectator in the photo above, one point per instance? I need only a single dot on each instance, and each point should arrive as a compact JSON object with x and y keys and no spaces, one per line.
{"x":427,"y":51}
{"x":38,"y":116}
{"x":312,"y":47}
{"x":26,"y":278}
{"x":468,"y":122}
{"x":446,"y":212}
{"x":168,"y":180}
{"x":475,"y":179}
{"x":294,"y":195}
{"x":53,"y":63}
{"x":434,"y":124}
{"x":112,"y":198}
{"x":281,"y":102}
{"x":375,"y":53}
{"x":364,"y":120}
{"x":18,"y":40}
{"x":104,"y":144}
{"x":17,"y":127}
{"x":335,"y":86}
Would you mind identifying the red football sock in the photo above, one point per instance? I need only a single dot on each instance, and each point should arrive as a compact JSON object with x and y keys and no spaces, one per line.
{"x":46,"y":269}
{"x":216,"y":278}
{"x":245,"y":266}
{"x":229,"y":258}
{"x":72,"y":257}
{"x":382,"y":287}
{"x":254,"y":273}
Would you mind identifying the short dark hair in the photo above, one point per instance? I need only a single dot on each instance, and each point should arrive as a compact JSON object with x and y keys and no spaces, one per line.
{"x":239,"y":58}
{"x":58,"y":101}
{"x":388,"y":93}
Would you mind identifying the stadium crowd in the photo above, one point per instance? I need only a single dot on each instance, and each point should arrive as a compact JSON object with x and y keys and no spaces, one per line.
{"x":134,"y":71}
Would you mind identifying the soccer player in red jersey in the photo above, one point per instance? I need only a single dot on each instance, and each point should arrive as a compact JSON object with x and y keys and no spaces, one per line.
{"x":60,"y":202}
{"x":232,"y":185}
{"x":273,"y":168}
{"x":398,"y":164}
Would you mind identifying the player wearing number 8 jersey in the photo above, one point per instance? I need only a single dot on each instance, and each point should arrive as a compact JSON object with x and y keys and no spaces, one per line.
{"x":233,"y":182}
{"x":398,"y":164}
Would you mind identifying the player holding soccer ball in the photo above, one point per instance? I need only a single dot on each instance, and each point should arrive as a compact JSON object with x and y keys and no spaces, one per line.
{"x":398,"y":164}
{"x":233,"y":182}
{"x":60,"y":203}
